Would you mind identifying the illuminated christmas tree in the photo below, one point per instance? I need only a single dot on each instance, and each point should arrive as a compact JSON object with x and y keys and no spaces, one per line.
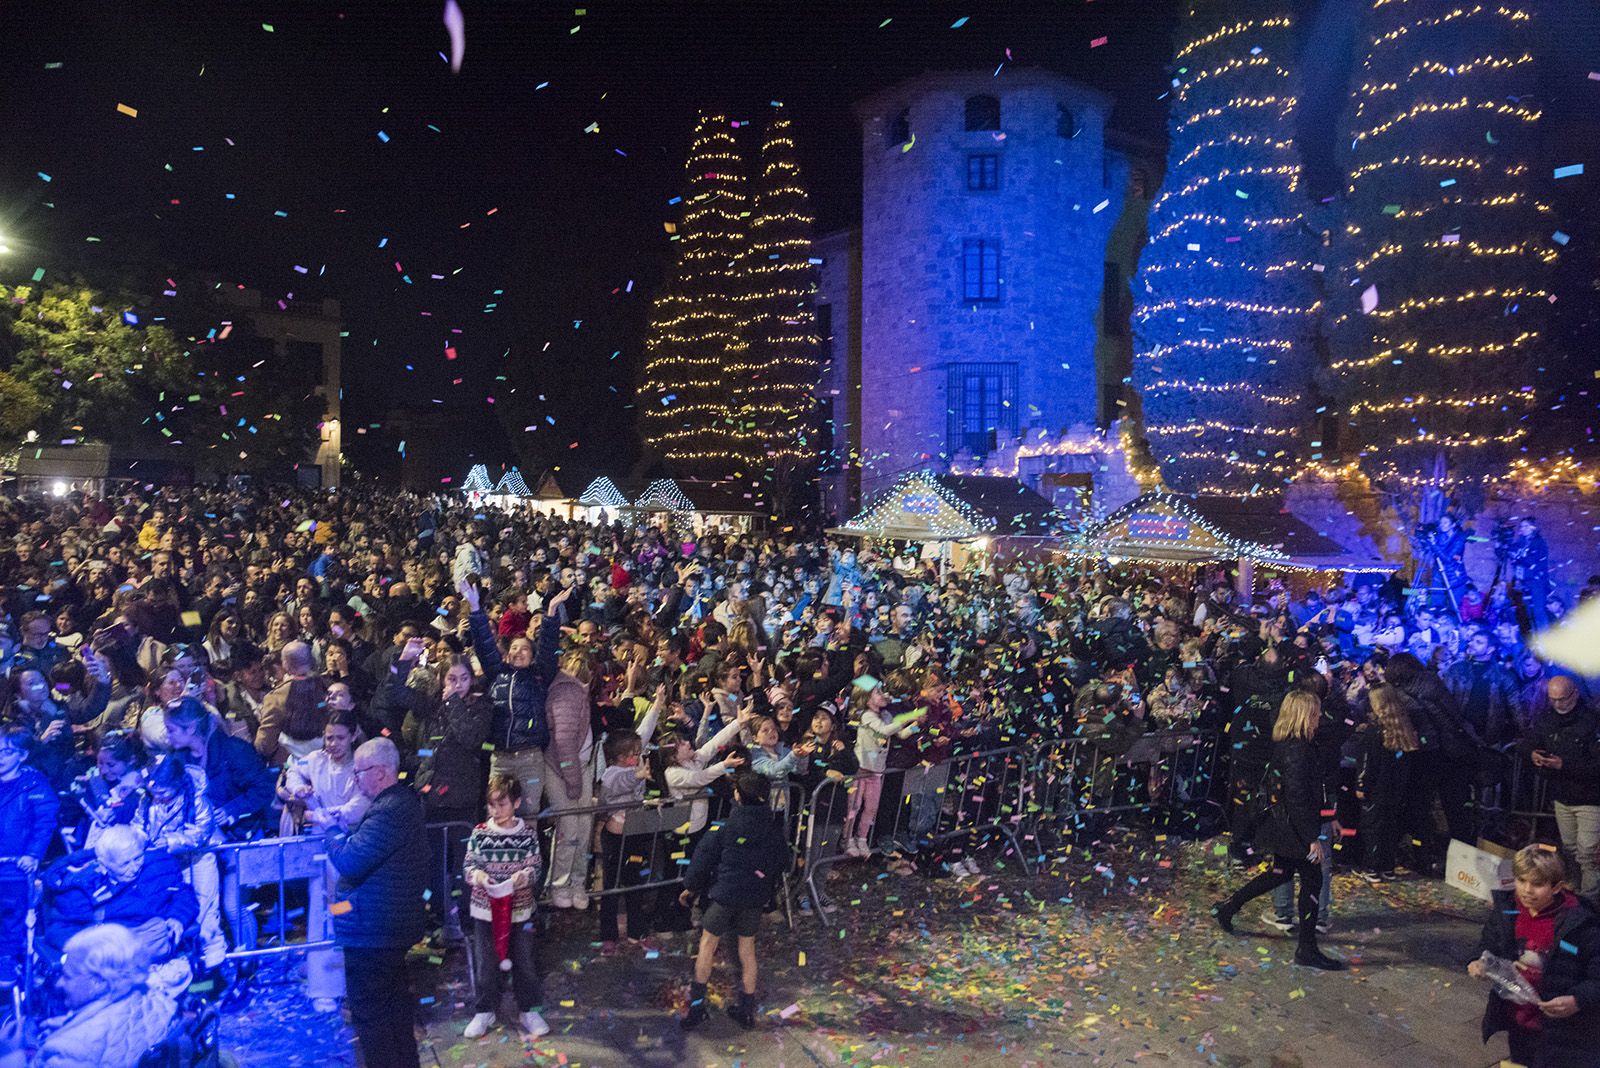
{"x":1225,"y":338}
{"x":690,"y":414}
{"x":776,"y":367}
{"x":1446,"y":251}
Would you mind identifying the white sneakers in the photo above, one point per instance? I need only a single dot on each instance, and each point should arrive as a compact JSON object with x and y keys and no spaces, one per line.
{"x":569,"y":897}
{"x":857,"y":847}
{"x":531,"y":1022}
{"x":965,"y":866}
{"x":325,"y":1004}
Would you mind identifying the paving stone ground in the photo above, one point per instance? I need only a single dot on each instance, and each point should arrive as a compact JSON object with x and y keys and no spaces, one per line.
{"x":1105,"y":956}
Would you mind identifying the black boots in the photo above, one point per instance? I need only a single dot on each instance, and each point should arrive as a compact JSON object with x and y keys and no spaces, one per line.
{"x":1309,"y":956}
{"x":1224,"y":913}
{"x":697,"y":1007}
{"x":744,"y":1012}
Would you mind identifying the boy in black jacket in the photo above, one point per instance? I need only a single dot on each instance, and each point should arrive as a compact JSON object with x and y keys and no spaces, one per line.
{"x":737,"y":865}
{"x":1553,"y":938}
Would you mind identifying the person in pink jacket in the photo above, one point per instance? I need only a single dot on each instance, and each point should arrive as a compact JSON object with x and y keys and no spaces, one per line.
{"x":569,"y":778}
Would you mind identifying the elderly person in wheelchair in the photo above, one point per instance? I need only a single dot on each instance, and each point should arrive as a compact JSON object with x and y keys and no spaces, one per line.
{"x":118,"y":1008}
{"x":118,"y":882}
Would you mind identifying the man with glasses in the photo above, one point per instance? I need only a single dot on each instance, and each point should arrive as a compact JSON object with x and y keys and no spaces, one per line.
{"x":377,"y":908}
{"x":39,"y":651}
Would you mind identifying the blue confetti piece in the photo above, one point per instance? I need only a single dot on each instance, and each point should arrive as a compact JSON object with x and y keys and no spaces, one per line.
{"x":1569,"y":172}
{"x":960,"y":22}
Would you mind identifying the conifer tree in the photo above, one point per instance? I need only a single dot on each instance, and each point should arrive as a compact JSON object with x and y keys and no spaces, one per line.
{"x":690,"y":415}
{"x":1447,"y":250}
{"x":776,"y":369}
{"x":1225,"y":321}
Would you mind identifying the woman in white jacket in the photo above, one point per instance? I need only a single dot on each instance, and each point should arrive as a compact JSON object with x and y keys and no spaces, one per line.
{"x":687,"y":772}
{"x":869,"y":702}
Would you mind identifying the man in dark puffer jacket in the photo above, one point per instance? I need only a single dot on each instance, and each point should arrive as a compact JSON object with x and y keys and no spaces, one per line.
{"x":377,"y":908}
{"x":737,"y":865}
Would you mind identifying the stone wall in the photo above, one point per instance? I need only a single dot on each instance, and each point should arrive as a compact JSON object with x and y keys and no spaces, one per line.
{"x":917,"y":211}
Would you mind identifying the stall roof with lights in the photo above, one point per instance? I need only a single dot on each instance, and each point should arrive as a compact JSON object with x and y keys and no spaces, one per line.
{"x":477,"y":480}
{"x":512,"y":485}
{"x":1165,"y":528}
{"x":603,"y":493}
{"x":923,"y":506}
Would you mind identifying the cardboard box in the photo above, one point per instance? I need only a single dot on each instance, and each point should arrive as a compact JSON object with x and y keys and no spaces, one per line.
{"x":1477,"y":871}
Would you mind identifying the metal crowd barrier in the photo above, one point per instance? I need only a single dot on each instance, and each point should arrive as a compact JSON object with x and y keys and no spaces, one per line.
{"x":918,"y":808}
{"x":1023,"y":793}
{"x":654,"y":854}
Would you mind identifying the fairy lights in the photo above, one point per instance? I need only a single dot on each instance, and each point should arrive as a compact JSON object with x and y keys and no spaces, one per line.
{"x":695,"y":319}
{"x":1440,"y":213}
{"x":776,"y":367}
{"x":512,"y":485}
{"x":1227,"y":305}
{"x":477,"y":480}
{"x":603,"y":493}
{"x":731,"y":357}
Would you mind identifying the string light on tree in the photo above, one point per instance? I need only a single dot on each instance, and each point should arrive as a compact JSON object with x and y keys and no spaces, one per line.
{"x":1227,"y":303}
{"x":1439,"y":240}
{"x":687,"y":415}
{"x":775,"y":367}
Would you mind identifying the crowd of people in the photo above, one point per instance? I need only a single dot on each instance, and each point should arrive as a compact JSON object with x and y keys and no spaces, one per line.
{"x":188,"y":667}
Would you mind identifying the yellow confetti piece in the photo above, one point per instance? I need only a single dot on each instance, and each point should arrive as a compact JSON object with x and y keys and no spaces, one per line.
{"x":132,"y":113}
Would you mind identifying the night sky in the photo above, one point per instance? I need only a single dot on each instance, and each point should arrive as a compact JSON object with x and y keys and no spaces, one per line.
{"x":576,"y":215}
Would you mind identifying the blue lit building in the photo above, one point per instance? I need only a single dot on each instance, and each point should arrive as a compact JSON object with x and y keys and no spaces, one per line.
{"x":983,"y":303}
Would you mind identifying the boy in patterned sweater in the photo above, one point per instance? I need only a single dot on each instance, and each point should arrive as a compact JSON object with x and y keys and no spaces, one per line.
{"x":503,"y":869}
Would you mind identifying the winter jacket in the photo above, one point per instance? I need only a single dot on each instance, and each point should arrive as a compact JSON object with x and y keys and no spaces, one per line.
{"x":1499,"y":724}
{"x":1256,"y":691}
{"x":1575,"y":738}
{"x":571,"y":743}
{"x":239,"y":785}
{"x":519,"y":694}
{"x":741,"y":859}
{"x":334,"y":791}
{"x":873,"y":734}
{"x":115,"y":1032}
{"x":383,"y":869}
{"x":28,"y":807}
{"x":1292,"y":795}
{"x":1437,"y":717}
{"x":778,"y":763}
{"x":1381,"y":773}
{"x":83,"y":894}
{"x":1574,"y":968}
{"x":447,"y":738}
{"x":692,"y":778}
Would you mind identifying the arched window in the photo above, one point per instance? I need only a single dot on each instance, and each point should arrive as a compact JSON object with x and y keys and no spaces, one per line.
{"x":1066,"y":122}
{"x":899,"y":129}
{"x":983,"y":113}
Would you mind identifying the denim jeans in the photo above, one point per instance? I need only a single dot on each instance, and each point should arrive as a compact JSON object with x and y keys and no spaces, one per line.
{"x":1283,"y":896}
